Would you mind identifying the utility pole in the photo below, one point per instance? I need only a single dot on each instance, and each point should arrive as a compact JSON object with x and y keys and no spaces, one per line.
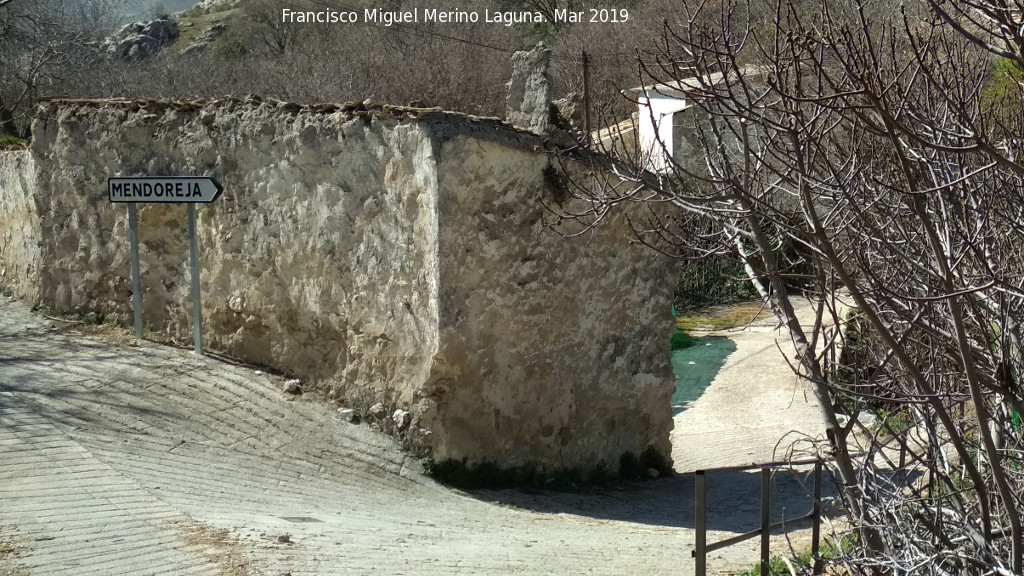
{"x":587,"y":125}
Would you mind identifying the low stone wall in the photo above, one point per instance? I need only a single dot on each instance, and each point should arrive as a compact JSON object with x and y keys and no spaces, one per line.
{"x":401,"y":258}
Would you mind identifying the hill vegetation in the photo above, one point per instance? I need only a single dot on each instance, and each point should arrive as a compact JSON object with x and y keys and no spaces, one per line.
{"x":52,"y":48}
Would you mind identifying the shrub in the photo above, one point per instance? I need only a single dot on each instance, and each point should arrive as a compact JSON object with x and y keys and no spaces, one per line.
{"x":682,"y":340}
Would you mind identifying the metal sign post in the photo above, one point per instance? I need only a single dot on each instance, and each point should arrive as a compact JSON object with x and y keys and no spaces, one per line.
{"x":193,"y":253}
{"x":133,"y":240}
{"x":165,"y":190}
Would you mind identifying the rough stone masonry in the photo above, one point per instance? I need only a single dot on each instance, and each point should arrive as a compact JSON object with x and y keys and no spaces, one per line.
{"x":401,"y":258}
{"x":528,"y":102}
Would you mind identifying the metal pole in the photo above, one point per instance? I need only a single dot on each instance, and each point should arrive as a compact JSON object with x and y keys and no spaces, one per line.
{"x":766,"y":480}
{"x":700,"y":545}
{"x":816,"y":525}
{"x":133,"y":250}
{"x":587,"y":125}
{"x":197,"y":312}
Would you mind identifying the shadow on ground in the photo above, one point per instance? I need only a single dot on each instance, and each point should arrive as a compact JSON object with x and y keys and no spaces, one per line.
{"x":733,"y":500}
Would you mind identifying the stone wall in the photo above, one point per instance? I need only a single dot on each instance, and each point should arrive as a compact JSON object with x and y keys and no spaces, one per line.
{"x":549,"y":345}
{"x":19,"y":225}
{"x":397,"y":257}
{"x":311,"y":260}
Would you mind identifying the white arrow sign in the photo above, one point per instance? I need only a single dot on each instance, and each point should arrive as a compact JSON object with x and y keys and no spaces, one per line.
{"x":163,"y":190}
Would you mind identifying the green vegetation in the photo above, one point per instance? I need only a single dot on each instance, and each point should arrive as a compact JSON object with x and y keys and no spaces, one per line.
{"x":851,"y":363}
{"x":711,"y":281}
{"x":1002,"y":95}
{"x":776,"y":567}
{"x":894,"y":422}
{"x":91,"y":318}
{"x":722,"y":317}
{"x":228,"y":46}
{"x":8,"y":142}
{"x":850,"y":381}
{"x":192,"y":26}
{"x":829,"y":551}
{"x":632,"y":468}
{"x":681,"y":340}
{"x":487,"y":474}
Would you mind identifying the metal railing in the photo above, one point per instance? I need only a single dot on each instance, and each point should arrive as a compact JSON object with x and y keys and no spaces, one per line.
{"x":702,"y":547}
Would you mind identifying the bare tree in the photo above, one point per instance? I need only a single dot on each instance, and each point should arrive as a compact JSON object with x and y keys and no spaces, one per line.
{"x":43,"y":44}
{"x":859,"y":146}
{"x":265,"y":23}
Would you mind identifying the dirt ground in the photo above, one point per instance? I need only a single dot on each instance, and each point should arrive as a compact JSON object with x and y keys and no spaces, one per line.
{"x":754,"y":411}
{"x":117,"y":458}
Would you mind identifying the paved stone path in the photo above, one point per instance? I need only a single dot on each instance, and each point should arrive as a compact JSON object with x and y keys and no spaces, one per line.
{"x":123,"y":459}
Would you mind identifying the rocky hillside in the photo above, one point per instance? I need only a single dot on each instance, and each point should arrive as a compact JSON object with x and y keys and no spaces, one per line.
{"x":132,"y":10}
{"x":191,"y":32}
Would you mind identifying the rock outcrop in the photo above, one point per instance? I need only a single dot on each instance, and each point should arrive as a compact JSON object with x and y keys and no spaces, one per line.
{"x":571,"y":111}
{"x":404,"y":259}
{"x":141,"y":40}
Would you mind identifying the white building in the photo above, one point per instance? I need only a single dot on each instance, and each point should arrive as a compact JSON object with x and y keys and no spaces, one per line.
{"x":666,"y":132}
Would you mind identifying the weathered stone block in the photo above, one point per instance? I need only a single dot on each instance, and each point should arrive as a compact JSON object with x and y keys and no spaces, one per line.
{"x":528,"y":101}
